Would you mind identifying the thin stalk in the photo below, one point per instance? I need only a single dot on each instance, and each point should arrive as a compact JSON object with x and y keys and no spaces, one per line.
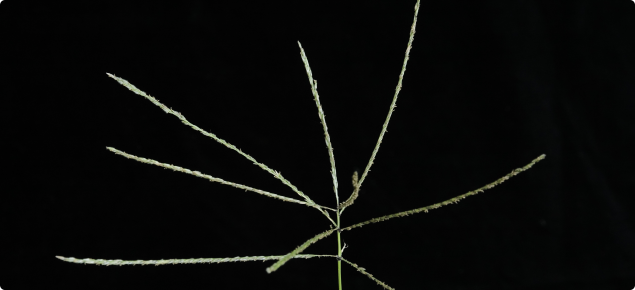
{"x":339,"y":252}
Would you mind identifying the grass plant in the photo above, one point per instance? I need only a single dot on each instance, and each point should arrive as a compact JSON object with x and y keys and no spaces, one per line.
{"x":304,"y":199}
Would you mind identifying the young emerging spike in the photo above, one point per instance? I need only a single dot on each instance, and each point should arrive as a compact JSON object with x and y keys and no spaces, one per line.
{"x":353,"y":196}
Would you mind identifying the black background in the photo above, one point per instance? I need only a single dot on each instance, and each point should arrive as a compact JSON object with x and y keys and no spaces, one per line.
{"x":490,"y":86}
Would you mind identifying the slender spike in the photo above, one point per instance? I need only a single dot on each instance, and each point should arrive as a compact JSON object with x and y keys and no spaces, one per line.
{"x":179,"y":261}
{"x":298,"y":250}
{"x":327,"y":138}
{"x":394,"y":100}
{"x":449,"y":201}
{"x":210,"y":178}
{"x":219,"y":140}
{"x":363,"y":271}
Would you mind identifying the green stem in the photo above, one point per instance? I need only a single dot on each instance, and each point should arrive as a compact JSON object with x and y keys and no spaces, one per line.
{"x":339,"y":251}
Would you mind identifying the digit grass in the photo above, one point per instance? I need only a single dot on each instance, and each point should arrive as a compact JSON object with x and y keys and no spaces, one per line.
{"x":304,"y":199}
